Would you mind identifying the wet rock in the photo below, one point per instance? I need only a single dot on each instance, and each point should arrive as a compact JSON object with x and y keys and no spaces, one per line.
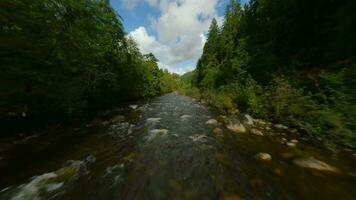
{"x":249,"y":120}
{"x":263,"y":157}
{"x":211,"y":122}
{"x":314,"y":164}
{"x":133,"y":107}
{"x":218,"y":132}
{"x":256,"y":132}
{"x":236,"y":127}
{"x":281,"y":126}
{"x":291,"y":144}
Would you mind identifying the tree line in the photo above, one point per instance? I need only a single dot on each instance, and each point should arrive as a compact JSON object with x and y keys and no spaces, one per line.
{"x":68,"y":56}
{"x":291,"y":61}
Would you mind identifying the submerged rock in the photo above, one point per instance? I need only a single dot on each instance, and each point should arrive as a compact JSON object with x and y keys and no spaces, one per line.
{"x":263,"y":157}
{"x":211,"y":122}
{"x":312,"y":163}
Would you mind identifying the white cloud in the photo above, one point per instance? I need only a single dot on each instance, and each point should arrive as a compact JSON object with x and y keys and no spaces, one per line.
{"x":179,"y":31}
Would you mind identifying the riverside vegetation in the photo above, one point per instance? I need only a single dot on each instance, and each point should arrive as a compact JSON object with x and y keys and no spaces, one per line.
{"x":291,"y":62}
{"x":70,"y":56}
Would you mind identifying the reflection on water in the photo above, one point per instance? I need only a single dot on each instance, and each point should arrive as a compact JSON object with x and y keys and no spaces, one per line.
{"x":171,"y":147}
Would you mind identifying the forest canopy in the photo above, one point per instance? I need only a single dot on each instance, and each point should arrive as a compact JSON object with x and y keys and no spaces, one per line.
{"x":66,"y":56}
{"x":290,"y":61}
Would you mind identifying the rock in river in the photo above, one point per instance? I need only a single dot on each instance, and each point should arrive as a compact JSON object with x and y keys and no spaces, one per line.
{"x":133,"y":107}
{"x":212,"y":122}
{"x":236,"y":127}
{"x":256,"y":132}
{"x":263,"y":157}
{"x":249,"y":120}
{"x":312,"y":163}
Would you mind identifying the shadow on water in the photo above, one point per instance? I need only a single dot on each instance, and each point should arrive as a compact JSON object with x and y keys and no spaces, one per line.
{"x":164,"y":149}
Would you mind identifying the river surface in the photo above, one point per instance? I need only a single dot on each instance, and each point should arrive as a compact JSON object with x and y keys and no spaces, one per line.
{"x":164,"y":149}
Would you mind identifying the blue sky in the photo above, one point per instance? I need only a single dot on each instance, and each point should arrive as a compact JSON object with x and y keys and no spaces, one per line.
{"x":173,"y":30}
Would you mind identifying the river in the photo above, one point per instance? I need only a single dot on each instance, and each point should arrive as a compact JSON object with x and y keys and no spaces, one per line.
{"x":164,"y":148}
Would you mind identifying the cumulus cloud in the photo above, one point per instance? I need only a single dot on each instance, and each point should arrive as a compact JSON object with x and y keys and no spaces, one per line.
{"x":180,"y":31}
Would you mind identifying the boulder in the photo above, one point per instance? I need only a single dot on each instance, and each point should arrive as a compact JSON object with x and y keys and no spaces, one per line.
{"x":314,"y":164}
{"x":211,"y":122}
{"x":263,"y":157}
{"x":236,"y":127}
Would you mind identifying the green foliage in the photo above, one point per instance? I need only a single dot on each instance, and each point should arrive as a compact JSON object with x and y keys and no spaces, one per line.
{"x":289,"y":61}
{"x":66,"y":56}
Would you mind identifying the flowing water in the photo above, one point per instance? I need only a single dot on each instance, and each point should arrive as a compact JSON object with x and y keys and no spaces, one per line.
{"x":164,"y":149}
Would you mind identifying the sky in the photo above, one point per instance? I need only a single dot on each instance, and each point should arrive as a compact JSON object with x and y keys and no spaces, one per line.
{"x":173,"y":30}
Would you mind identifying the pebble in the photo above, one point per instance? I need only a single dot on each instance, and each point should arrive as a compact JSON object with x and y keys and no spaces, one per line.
{"x":291,"y":144}
{"x":263,"y":157}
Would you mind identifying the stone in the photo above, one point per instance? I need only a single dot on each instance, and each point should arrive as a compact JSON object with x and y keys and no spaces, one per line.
{"x":249,"y":120}
{"x":291,"y":144}
{"x":314,"y":164}
{"x":256,"y":132}
{"x":236,"y":127}
{"x":280,"y":126}
{"x":263,"y":157}
{"x":133,"y":107}
{"x":211,"y":122}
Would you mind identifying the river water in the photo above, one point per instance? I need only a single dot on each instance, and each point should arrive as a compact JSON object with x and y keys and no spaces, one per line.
{"x":164,"y":149}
